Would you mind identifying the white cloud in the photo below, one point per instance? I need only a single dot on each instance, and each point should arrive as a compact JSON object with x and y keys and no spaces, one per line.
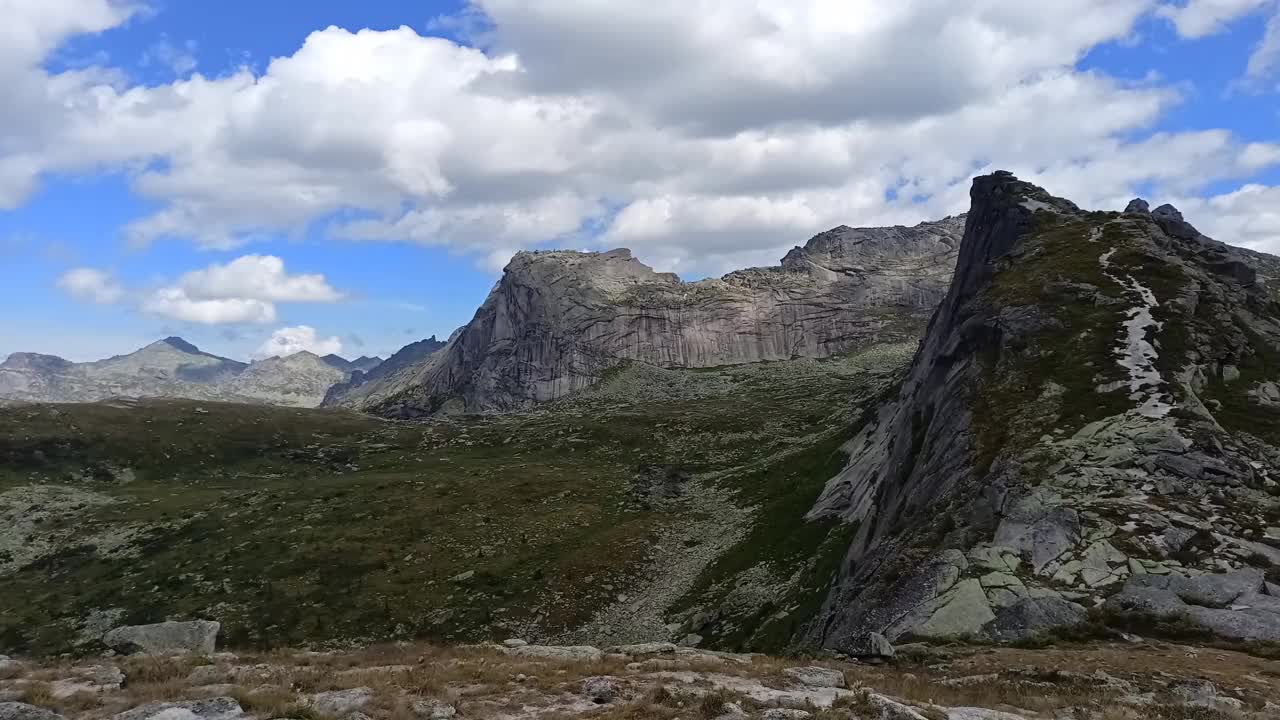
{"x":707,"y":134}
{"x":91,"y":285}
{"x":178,"y":59}
{"x":173,"y":302}
{"x":1266,"y":56}
{"x":1249,"y":216}
{"x":242,"y":291}
{"x":292,"y":340}
{"x":1200,"y":18}
{"x":257,"y":277}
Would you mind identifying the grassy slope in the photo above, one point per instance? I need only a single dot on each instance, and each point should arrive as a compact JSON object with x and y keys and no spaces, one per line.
{"x":296,"y":527}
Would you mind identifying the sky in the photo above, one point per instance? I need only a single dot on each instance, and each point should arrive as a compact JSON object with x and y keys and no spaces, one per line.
{"x":267,"y":177}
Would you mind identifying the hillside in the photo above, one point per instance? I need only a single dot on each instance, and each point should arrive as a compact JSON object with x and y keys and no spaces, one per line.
{"x":556,"y":322}
{"x":1088,"y":430}
{"x":315,"y":526}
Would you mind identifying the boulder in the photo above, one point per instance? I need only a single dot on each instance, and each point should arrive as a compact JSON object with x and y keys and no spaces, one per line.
{"x":964,"y":611}
{"x":22,"y":711}
{"x":871,"y":645}
{"x":434,"y":709}
{"x":340,"y":702}
{"x":819,"y":677}
{"x":1138,"y":205}
{"x":197,"y":637}
{"x":786,"y":714}
{"x":514,"y":643}
{"x":559,"y":652}
{"x":218,"y":708}
{"x":600,"y":690}
{"x":1033,"y":615}
{"x":650,"y":648}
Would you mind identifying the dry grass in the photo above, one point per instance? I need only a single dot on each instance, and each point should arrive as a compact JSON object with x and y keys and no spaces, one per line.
{"x":486,"y":683}
{"x":40,"y":694}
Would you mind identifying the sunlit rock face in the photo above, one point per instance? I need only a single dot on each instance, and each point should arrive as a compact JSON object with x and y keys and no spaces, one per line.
{"x":557,"y":321}
{"x":1092,"y":405}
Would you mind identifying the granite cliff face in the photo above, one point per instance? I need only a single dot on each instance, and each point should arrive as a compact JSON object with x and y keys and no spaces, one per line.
{"x":1092,"y":421}
{"x":557,"y":321}
{"x":172,"y":368}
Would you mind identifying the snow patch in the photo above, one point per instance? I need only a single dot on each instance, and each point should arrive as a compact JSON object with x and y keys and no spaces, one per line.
{"x":1137,"y":355}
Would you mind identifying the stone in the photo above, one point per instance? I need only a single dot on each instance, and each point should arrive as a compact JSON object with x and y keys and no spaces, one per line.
{"x":340,"y":702}
{"x":197,"y":637}
{"x":641,"y":649}
{"x":1138,"y":205}
{"x":1193,"y":690}
{"x":559,"y":652}
{"x":965,"y":611}
{"x":22,"y":711}
{"x":1031,"y":616}
{"x":434,"y":709}
{"x":600,"y":690}
{"x":786,"y":714}
{"x":514,"y":642}
{"x":871,"y":645}
{"x":973,"y":713}
{"x":218,"y":708}
{"x":208,"y":675}
{"x":819,"y":677}
{"x":1040,"y":532}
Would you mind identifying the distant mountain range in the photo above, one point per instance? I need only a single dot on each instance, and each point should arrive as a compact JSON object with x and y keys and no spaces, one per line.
{"x":175,"y":368}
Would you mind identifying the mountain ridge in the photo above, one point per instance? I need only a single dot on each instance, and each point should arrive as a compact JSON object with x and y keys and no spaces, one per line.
{"x":1067,"y":428}
{"x":173,"y":367}
{"x":557,"y":320}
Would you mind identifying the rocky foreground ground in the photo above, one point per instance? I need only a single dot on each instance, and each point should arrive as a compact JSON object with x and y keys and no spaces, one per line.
{"x":1131,"y":680}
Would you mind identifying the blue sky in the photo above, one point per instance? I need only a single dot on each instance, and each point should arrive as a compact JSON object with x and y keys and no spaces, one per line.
{"x":228,"y":171}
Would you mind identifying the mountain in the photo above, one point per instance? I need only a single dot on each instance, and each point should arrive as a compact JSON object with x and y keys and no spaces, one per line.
{"x":1091,"y":428}
{"x":172,"y":368}
{"x":355,"y":391}
{"x":300,"y":380}
{"x":557,"y":321}
{"x":364,"y":363}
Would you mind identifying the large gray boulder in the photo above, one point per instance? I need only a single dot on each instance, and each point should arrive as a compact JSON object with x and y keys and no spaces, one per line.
{"x":1031,"y":616}
{"x":196,"y":637}
{"x":217,"y":708}
{"x":1230,"y":605}
{"x":22,"y":711}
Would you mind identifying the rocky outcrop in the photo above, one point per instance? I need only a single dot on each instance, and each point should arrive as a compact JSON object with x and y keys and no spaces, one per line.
{"x":1083,"y":415}
{"x":174,"y":368}
{"x":196,"y":637}
{"x":557,"y":321}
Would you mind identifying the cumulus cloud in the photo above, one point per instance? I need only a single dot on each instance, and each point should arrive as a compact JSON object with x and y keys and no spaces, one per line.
{"x":1200,"y":18}
{"x":302,"y":338}
{"x":257,"y":277}
{"x":242,"y":291}
{"x":91,"y":285}
{"x":705,"y":134}
{"x":1249,"y":216}
{"x":173,"y":302}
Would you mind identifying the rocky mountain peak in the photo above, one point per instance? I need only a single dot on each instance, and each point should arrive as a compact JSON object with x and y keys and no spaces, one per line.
{"x":180,"y":344}
{"x":1094,"y":405}
{"x":557,"y":320}
{"x":34,"y":361}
